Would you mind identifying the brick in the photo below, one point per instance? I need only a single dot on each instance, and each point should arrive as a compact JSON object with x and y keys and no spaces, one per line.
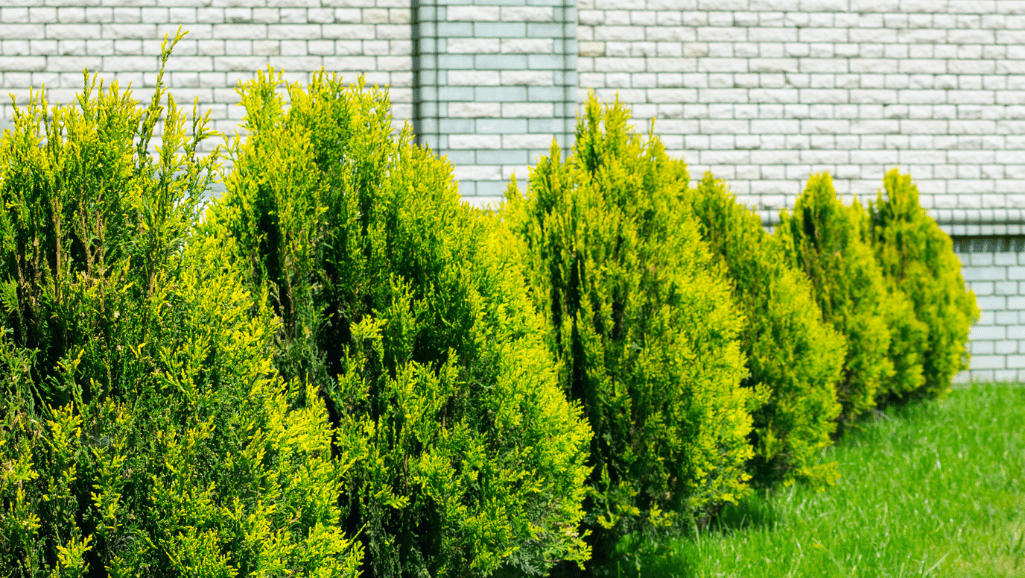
{"x":474,"y":141}
{"x":22,"y":63}
{"x":348,"y":31}
{"x":526,"y":77}
{"x":499,"y":29}
{"x":628,"y":33}
{"x":527,"y":14}
{"x":526,"y":45}
{"x":472,"y":46}
{"x":526,"y":141}
{"x":474,"y":13}
{"x":988,"y":362}
{"x":478,"y":172}
{"x":471,"y":78}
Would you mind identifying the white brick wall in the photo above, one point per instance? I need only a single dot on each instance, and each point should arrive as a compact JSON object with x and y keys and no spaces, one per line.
{"x":764,"y":92}
{"x":997,"y":276}
{"x":50,"y":41}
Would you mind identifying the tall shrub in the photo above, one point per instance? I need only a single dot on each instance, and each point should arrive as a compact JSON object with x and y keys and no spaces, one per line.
{"x":790,"y":351}
{"x":643,"y":322}
{"x":398,"y":305}
{"x":908,"y":335}
{"x":143,"y":430}
{"x":823,"y":238}
{"x":919,"y":259}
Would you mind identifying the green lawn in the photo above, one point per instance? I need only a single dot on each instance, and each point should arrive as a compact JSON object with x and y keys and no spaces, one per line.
{"x":931,"y":489}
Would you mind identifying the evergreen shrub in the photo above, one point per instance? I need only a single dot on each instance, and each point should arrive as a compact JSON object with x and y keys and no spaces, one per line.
{"x":143,"y":431}
{"x":643,"y":323}
{"x":400,"y":308}
{"x":791,"y":352}
{"x":908,"y":335}
{"x":919,"y":259}
{"x":824,"y":238}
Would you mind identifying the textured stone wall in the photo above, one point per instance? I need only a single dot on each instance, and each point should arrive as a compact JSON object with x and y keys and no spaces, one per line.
{"x":50,"y":43}
{"x":994,"y":269}
{"x":764,"y":92}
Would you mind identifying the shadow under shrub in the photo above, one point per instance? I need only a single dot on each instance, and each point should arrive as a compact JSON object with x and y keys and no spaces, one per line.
{"x":644,"y":324}
{"x":400,"y":308}
{"x":791,"y":353}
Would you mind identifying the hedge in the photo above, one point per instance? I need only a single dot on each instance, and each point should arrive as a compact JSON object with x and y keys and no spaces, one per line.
{"x":339,"y":369}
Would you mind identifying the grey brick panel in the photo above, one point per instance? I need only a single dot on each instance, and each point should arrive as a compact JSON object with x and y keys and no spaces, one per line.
{"x":998,"y":340}
{"x":496,"y":82}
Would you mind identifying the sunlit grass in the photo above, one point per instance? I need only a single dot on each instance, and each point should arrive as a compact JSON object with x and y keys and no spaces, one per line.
{"x":932,"y":489}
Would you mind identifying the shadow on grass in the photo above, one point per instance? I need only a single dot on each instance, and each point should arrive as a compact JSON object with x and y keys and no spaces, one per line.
{"x":666,"y":556}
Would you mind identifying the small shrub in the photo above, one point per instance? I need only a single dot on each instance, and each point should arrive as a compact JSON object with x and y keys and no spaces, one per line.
{"x":643,"y":322}
{"x":919,"y":260}
{"x":823,"y":238}
{"x":399,"y":307}
{"x":790,"y":351}
{"x":143,"y":430}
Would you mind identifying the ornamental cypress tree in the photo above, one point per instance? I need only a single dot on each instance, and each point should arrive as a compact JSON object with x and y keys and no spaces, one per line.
{"x":824,"y":238}
{"x":643,"y":322}
{"x":143,"y":431}
{"x":399,"y":307}
{"x":791,"y":352}
{"x":919,"y":259}
{"x":908,"y":335}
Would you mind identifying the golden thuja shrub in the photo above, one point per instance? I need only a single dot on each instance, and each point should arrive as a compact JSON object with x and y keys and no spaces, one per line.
{"x":643,"y":321}
{"x":824,"y":239}
{"x":400,"y":308}
{"x":792,"y":354}
{"x":143,"y":430}
{"x":919,"y":260}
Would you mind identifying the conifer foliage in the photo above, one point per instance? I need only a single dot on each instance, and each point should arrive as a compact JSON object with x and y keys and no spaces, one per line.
{"x":400,"y":308}
{"x":792,"y":355}
{"x":919,"y":260}
{"x":643,"y":323}
{"x":143,"y":431}
{"x":824,"y":238}
{"x":344,"y":371}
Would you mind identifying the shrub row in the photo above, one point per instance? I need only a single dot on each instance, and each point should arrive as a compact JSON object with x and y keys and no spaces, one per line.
{"x":340,"y":369}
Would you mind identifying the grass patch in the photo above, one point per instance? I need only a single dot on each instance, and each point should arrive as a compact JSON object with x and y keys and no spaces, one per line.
{"x":930,"y":489}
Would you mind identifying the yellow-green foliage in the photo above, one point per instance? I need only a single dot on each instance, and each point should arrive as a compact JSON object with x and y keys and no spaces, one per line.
{"x":824,"y":238}
{"x":400,"y":308}
{"x":908,"y":335}
{"x":919,"y":260}
{"x":643,"y":323}
{"x":790,"y":351}
{"x":143,"y":430}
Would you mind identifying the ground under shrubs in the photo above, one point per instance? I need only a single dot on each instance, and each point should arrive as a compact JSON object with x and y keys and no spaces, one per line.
{"x":933,"y":488}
